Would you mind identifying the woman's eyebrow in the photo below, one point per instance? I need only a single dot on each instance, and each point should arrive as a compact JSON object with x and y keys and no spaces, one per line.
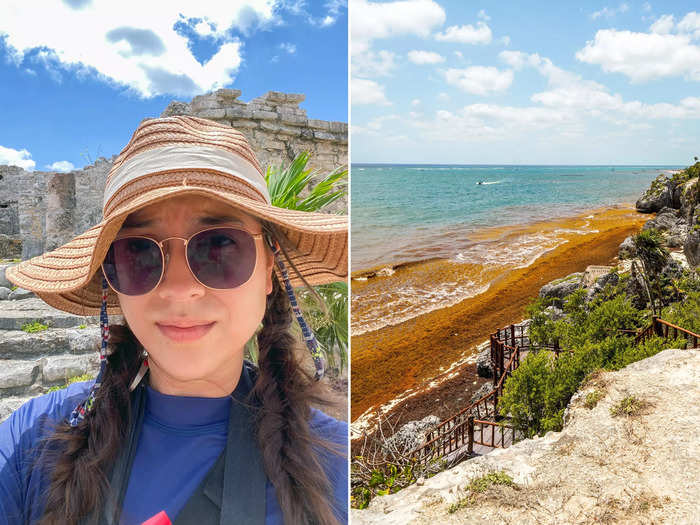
{"x":205,"y":220}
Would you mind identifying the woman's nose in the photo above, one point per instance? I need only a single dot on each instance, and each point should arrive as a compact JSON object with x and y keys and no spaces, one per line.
{"x":178,"y":283}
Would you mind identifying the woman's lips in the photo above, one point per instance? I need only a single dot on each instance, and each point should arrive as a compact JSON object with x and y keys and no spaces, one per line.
{"x":181,"y":335}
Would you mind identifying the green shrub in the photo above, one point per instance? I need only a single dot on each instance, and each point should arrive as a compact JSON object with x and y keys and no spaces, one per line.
{"x":479,"y":486}
{"x":34,"y":326}
{"x":648,"y":348}
{"x":686,"y":313}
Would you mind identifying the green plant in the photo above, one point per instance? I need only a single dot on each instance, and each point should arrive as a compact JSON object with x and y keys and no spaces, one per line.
{"x":34,"y":326}
{"x":330,"y":324}
{"x":82,"y":326}
{"x":286,"y":185}
{"x":629,"y":406}
{"x":479,"y":486}
{"x":13,"y":288}
{"x":592,"y":399}
{"x":328,"y":315}
{"x":648,"y":245}
{"x":69,"y":381}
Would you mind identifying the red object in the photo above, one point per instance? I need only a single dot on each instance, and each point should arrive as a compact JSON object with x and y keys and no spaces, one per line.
{"x":159,"y":519}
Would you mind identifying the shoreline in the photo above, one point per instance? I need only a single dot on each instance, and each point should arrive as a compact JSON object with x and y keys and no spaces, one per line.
{"x":406,"y":357}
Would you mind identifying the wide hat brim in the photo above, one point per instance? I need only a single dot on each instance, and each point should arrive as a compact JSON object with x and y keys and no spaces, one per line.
{"x":69,"y":278}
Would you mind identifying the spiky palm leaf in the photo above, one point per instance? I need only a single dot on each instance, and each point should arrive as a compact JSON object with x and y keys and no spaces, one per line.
{"x":329,"y":321}
{"x":286,"y":185}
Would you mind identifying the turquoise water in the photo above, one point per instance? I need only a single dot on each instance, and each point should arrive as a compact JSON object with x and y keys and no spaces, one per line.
{"x":406,"y":213}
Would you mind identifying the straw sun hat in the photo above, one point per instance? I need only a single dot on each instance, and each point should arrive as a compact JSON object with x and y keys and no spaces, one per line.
{"x":173,"y":156}
{"x":164,"y":158}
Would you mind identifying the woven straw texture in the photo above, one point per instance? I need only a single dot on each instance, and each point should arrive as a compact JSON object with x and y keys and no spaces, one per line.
{"x":69,"y":278}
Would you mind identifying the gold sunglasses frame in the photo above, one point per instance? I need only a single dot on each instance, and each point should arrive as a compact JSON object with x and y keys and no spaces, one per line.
{"x":165,"y":256}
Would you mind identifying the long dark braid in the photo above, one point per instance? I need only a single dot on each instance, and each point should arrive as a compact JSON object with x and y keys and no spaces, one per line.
{"x":286,"y":392}
{"x":82,"y":455}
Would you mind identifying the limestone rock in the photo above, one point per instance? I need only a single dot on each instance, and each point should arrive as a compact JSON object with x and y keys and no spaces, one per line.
{"x":20,"y":293}
{"x":601,"y":282}
{"x":560,"y":288}
{"x":483,"y":364}
{"x":58,"y":369}
{"x":690,"y":193}
{"x":672,"y":224}
{"x":17,"y":373}
{"x":626,"y":250}
{"x":4,"y":293}
{"x":691,"y":248}
{"x":599,"y":468}
{"x":658,"y":196}
{"x":411,"y":435}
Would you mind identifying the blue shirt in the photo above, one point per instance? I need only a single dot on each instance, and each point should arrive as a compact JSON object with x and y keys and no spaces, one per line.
{"x":180,"y":440}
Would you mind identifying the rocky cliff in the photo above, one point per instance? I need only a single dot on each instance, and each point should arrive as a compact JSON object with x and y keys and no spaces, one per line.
{"x":627,"y":454}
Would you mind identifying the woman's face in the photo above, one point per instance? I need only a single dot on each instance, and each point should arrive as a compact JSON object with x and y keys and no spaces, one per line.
{"x":206,"y":363}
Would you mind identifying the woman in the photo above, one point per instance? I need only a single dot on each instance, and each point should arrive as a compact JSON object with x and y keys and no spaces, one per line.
{"x":191,"y":253}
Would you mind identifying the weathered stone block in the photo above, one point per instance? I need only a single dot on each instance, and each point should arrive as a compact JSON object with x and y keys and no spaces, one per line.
{"x":339,"y":127}
{"x":4,"y":293}
{"x":319,"y":124}
{"x":20,"y":293}
{"x":244,"y":124}
{"x":264,"y":115}
{"x":16,"y":374}
{"x":293,"y":119}
{"x":62,"y":367}
{"x":239,"y":111}
{"x":176,"y":108}
{"x":324,"y":135}
{"x":84,"y":340}
{"x":213,"y":113}
{"x":281,"y":129}
{"x":16,"y":343}
{"x":10,"y":247}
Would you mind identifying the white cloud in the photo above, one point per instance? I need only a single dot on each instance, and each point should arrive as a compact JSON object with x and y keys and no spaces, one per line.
{"x":145,"y":53}
{"x":480,"y":80}
{"x":425,"y":57}
{"x":327,"y":21}
{"x":443,"y":97}
{"x":609,"y":12}
{"x":62,"y":166}
{"x":372,"y":20}
{"x":643,"y":56}
{"x":505,"y":40}
{"x":646,"y":7}
{"x":415,"y":102}
{"x":663,"y":25}
{"x":483,"y":16}
{"x":373,"y":64}
{"x":364,"y":91}
{"x":467,"y":34}
{"x":13,"y":157}
{"x":690,"y":25}
{"x":288,"y":47}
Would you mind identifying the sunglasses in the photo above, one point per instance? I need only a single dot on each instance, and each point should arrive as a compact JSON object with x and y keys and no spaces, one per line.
{"x":219,"y":258}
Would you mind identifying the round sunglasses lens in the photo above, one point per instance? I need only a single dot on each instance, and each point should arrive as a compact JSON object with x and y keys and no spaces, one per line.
{"x":222,"y":258}
{"x":133,"y":265}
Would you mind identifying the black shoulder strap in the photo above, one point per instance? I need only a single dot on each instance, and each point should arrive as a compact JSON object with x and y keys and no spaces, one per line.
{"x":234,"y":489}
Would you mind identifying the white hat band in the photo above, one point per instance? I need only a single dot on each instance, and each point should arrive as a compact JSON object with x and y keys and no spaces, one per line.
{"x":185,"y":157}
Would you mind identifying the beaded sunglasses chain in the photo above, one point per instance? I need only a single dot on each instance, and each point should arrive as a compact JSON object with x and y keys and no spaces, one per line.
{"x":87,"y":405}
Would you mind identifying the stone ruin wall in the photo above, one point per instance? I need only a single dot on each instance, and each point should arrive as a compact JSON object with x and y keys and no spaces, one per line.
{"x":40,"y":211}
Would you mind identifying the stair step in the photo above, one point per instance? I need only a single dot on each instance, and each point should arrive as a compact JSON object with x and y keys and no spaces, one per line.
{"x":18,"y":344}
{"x":33,"y":377}
{"x":14,"y":314}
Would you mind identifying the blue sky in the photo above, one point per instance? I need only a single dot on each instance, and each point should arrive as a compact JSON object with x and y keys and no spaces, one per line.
{"x":76,"y":81}
{"x":438,"y":81}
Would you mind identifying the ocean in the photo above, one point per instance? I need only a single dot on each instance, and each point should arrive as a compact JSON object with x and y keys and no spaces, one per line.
{"x":429,"y":236}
